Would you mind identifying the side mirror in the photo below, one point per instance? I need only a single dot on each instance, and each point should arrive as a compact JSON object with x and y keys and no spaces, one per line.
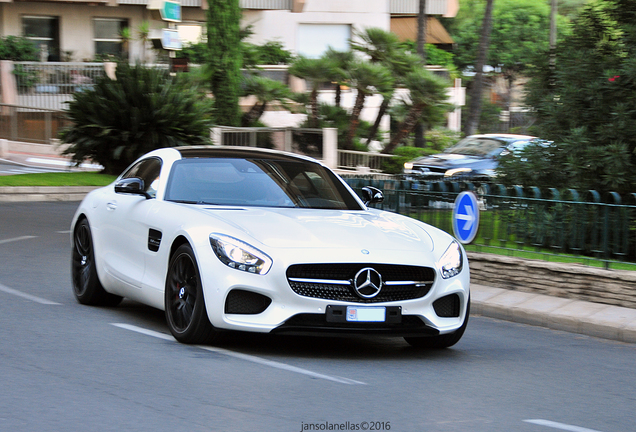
{"x":371,"y":195}
{"x":133,"y":186}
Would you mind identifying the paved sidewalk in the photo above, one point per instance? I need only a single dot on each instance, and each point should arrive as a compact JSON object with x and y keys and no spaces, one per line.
{"x":53,"y":162}
{"x":592,"y":319}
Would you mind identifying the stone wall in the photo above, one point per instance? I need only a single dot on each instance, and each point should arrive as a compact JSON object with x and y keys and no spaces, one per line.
{"x":573,"y":281}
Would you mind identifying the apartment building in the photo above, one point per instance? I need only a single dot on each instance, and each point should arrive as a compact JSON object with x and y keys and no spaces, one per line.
{"x":85,"y":29}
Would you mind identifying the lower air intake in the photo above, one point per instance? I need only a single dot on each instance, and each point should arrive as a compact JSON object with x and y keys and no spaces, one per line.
{"x":447,"y":306}
{"x":246,"y":302}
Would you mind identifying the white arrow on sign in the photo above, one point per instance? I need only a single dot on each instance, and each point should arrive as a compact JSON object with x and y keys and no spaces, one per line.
{"x":468,"y":217}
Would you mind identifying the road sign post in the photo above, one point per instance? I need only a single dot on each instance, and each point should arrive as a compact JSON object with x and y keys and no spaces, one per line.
{"x":466,"y":217}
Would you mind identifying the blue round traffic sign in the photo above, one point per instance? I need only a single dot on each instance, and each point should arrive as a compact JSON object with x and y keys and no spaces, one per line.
{"x":466,"y":217}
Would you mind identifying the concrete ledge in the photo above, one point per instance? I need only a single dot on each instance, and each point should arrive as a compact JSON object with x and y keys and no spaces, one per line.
{"x":566,"y":280}
{"x":44,"y":193}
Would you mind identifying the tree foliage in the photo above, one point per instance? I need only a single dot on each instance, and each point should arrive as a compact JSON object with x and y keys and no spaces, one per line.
{"x":518,"y":38}
{"x":520,"y":30}
{"x":586,"y":104}
{"x":143,"y":109}
{"x":265,"y":91}
{"x":18,"y":48}
{"x":427,"y":103}
{"x":366,"y":78}
{"x":314,"y":72}
{"x":225,"y":59}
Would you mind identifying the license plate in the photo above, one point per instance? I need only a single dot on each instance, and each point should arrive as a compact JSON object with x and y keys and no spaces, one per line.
{"x":366,"y":314}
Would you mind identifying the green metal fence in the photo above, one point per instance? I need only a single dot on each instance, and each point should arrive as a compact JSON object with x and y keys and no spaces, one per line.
{"x":516,"y":221}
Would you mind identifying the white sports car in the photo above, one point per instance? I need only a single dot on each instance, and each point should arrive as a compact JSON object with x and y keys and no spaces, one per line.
{"x":226,"y":238}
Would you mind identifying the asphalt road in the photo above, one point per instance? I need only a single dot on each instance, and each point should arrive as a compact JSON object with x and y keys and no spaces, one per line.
{"x":64,"y":366}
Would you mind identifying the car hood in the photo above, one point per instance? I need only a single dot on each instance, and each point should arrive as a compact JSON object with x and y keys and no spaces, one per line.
{"x":310,"y":228}
{"x":449,"y":160}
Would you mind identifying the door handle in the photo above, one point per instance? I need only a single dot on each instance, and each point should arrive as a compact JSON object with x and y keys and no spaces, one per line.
{"x":111,"y":205}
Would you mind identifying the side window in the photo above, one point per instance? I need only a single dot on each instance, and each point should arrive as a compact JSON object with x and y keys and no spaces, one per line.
{"x":148,"y":170}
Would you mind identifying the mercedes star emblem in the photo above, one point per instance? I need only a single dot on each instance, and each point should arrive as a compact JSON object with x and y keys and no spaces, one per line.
{"x":367,"y":283}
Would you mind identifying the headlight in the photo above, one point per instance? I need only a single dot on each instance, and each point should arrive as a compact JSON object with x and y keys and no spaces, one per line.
{"x":450,"y":264}
{"x":408,"y":165}
{"x":455,"y":171}
{"x":239,"y":255}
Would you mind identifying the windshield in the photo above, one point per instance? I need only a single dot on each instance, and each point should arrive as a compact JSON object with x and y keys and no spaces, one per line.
{"x":477,"y":147}
{"x":257,"y":182}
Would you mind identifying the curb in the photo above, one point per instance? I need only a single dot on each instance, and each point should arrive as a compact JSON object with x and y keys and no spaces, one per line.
{"x":44,"y":193}
{"x":556,"y":313}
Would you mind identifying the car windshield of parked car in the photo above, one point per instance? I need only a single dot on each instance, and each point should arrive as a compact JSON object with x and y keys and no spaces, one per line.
{"x":257,"y":182}
{"x":477,"y":147}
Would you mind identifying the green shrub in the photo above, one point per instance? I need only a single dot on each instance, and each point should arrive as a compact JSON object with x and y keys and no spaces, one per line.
{"x":439,"y":139}
{"x":195,"y":52}
{"x":143,"y":109}
{"x":18,"y":48}
{"x":271,"y":53}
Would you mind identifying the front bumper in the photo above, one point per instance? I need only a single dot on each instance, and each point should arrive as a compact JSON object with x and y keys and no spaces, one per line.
{"x":285,"y":311}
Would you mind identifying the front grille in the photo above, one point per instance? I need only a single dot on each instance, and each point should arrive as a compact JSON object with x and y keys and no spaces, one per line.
{"x":246,"y":302}
{"x":447,"y":306}
{"x":335,"y":281}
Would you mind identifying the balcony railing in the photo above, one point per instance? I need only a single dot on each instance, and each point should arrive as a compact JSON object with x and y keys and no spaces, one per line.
{"x":244,"y":4}
{"x":50,"y":85}
{"x":266,"y":4}
{"x":411,"y":7}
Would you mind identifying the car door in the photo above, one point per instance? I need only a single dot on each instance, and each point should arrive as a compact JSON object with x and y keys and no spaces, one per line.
{"x":124,"y":229}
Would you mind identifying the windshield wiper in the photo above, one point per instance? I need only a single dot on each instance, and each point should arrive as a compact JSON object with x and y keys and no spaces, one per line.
{"x":185,"y":201}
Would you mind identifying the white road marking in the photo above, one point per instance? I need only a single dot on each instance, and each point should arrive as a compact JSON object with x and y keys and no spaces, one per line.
{"x":64,"y":232}
{"x":16,"y":239}
{"x":27,"y":296}
{"x":561,"y":426}
{"x":246,"y":357}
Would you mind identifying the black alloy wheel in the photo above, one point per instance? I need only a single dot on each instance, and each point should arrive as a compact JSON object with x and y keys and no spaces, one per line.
{"x":86,"y":285}
{"x":184,"y":303}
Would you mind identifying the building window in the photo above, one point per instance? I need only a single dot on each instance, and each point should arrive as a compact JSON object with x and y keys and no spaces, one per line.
{"x":314,"y":39}
{"x":44,"y":31}
{"x":107,"y":37}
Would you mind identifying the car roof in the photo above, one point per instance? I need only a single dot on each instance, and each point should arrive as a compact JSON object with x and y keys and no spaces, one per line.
{"x":238,"y":152}
{"x":503,"y":136}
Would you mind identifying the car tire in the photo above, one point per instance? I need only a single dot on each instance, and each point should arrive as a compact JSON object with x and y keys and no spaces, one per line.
{"x":441,"y":341}
{"x":86,"y":285}
{"x":185,"y":310}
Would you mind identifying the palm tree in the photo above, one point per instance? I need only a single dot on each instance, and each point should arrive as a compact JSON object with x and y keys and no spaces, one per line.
{"x":340,"y":63}
{"x":315,"y":72}
{"x":266,"y":91}
{"x":143,"y":33}
{"x":117,"y":120}
{"x":427,"y":94}
{"x":366,"y":78}
{"x":380,"y":45}
{"x":384,"y":48}
{"x":125,"y":35}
